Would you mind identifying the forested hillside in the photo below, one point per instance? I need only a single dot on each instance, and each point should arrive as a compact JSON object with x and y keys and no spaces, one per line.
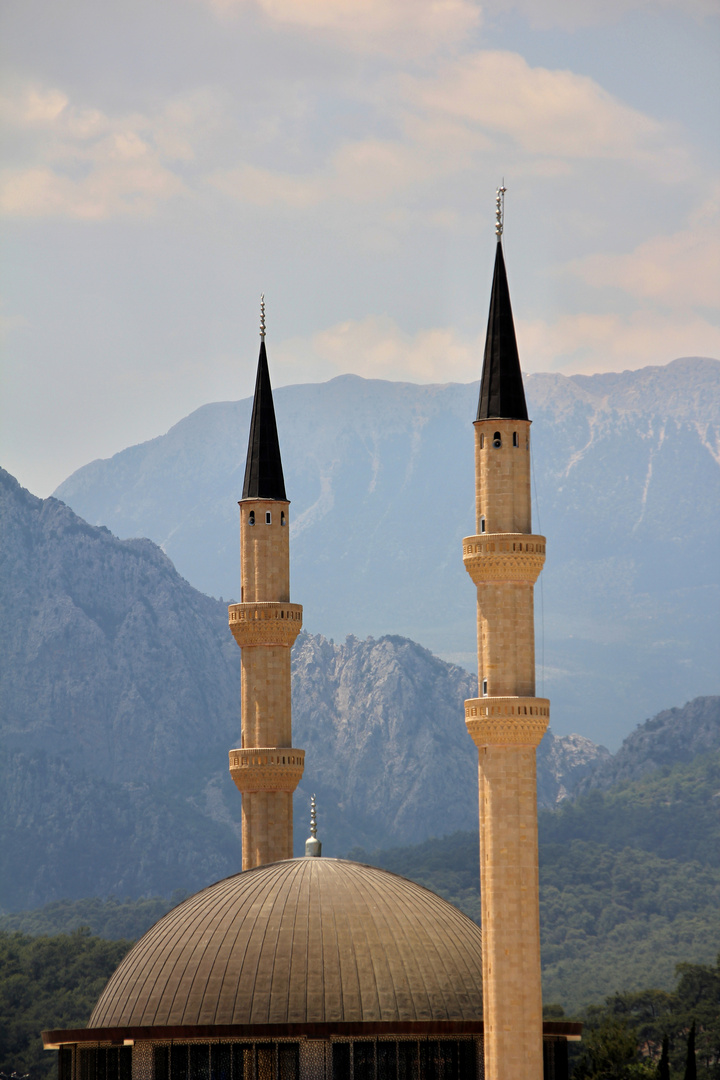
{"x":629,"y":881}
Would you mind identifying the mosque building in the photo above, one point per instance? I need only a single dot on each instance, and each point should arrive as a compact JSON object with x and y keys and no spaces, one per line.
{"x":324,"y":969}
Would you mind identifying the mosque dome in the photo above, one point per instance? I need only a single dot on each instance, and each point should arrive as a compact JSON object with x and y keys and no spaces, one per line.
{"x":302,"y":941}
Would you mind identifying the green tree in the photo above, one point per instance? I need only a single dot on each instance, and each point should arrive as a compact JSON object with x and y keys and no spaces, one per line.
{"x":664,"y":1064}
{"x":691,"y":1060}
{"x":610,"y":1052}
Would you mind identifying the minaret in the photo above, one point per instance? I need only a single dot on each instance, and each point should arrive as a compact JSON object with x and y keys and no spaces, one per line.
{"x":265,"y":768}
{"x":507,"y":721}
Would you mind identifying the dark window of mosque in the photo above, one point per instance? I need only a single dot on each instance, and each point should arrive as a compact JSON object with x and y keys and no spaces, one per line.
{"x":364,"y":1061}
{"x":482,"y":524}
{"x":467,"y":1059}
{"x":87,"y":1064}
{"x":387,"y":1061}
{"x":288,"y":1061}
{"x":268,"y":517}
{"x":555,"y":1059}
{"x":484,"y":688}
{"x":482,"y":441}
{"x":251,"y":518}
{"x":408,"y":1060}
{"x":161,"y":1062}
{"x":282,"y":517}
{"x":221,"y":1062}
{"x":515,"y":439}
{"x":497,"y":441}
{"x":198,"y":1061}
{"x":104,"y":1063}
{"x":341,"y":1061}
{"x":65,"y":1063}
{"x":179,"y":1062}
{"x":242,"y":1061}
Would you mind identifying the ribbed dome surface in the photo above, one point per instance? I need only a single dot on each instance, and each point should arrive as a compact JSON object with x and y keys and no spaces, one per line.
{"x":302,"y":941}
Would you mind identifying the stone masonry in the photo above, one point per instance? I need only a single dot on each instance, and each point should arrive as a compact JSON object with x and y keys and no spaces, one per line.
{"x":266,"y":768}
{"x":507,"y":722}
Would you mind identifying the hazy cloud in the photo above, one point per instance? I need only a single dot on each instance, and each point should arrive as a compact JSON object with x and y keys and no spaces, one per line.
{"x":571,"y":14}
{"x":680,"y":270}
{"x":613,"y":342}
{"x":82,"y":163}
{"x":544,"y":112}
{"x":399,"y":28}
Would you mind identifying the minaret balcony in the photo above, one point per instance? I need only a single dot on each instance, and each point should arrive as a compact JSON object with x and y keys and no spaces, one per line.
{"x":507,"y":721}
{"x":504,"y":557}
{"x":274,"y":768}
{"x":265,"y":623}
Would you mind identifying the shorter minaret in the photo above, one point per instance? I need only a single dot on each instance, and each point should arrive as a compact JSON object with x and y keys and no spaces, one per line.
{"x":266,"y":768}
{"x":507,"y":721}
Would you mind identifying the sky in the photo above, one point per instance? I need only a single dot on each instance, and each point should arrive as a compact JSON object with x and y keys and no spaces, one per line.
{"x":165,"y":162}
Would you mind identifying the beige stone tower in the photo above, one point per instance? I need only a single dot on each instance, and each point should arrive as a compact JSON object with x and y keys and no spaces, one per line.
{"x":266,"y":768}
{"x":507,"y":721}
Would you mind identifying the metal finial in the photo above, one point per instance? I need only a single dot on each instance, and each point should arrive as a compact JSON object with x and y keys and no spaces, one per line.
{"x":500,"y":208}
{"x":262,"y":316}
{"x":313,"y":847}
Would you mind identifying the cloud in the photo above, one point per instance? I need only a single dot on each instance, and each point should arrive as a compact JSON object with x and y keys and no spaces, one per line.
{"x":572,"y":14}
{"x":91,"y":166}
{"x":368,"y":171}
{"x":547,"y":114}
{"x":472,"y":111}
{"x":376,"y":348}
{"x":399,"y":28}
{"x":681,"y":270}
{"x":611,"y":342}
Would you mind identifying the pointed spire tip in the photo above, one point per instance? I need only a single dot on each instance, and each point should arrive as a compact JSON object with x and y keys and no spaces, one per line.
{"x":313,"y":847}
{"x":500,"y":209}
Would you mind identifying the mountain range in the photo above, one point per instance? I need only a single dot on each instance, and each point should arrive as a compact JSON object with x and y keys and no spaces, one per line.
{"x":120,"y":689}
{"x":627,"y":490}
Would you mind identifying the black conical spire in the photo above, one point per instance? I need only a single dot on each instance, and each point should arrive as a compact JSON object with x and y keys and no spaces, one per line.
{"x":501,"y":389}
{"x":263,"y":469}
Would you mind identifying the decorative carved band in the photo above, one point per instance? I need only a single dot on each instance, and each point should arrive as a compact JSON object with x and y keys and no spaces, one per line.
{"x":265,"y":623}
{"x":507,"y":721}
{"x":273,"y":768}
{"x":504,"y":557}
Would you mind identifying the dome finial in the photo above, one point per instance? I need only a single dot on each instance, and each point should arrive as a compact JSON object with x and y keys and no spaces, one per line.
{"x":262,"y":316}
{"x":313,"y":846}
{"x":500,"y":209}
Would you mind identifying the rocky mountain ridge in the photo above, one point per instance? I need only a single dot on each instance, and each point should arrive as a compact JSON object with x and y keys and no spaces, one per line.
{"x":673,"y":736}
{"x":120,"y":688}
{"x":627,"y":490}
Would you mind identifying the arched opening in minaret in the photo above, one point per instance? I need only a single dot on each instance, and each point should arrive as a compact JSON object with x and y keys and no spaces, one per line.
{"x":484,"y":688}
{"x":282,"y":517}
{"x":516,"y":441}
{"x":251,"y":518}
{"x":268,"y":517}
{"x":497,"y":441}
{"x":482,"y":524}
{"x":482,"y":441}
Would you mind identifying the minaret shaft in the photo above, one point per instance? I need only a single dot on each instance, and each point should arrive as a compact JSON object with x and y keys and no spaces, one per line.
{"x":507,"y":722}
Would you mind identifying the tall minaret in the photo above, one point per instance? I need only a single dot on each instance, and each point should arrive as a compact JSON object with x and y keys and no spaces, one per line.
{"x":265,"y":768}
{"x":507,"y":721}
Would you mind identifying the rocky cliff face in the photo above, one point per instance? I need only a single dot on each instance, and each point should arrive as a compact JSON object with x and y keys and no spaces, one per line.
{"x":120,"y":700}
{"x":671,"y":737}
{"x":381,"y":478}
